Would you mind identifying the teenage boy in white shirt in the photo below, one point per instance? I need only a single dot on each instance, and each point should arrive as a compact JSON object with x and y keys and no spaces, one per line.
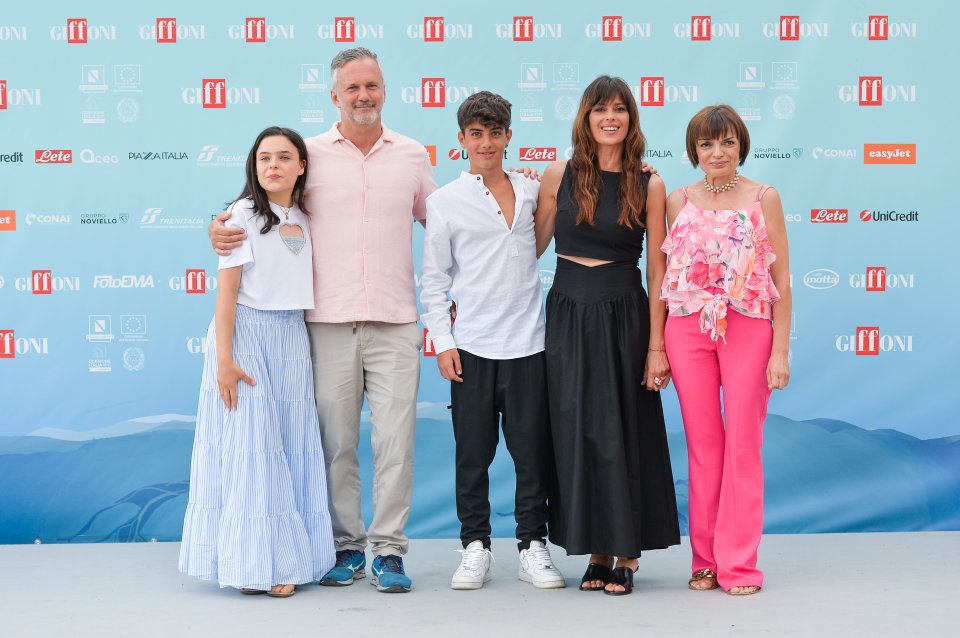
{"x":480,"y":254}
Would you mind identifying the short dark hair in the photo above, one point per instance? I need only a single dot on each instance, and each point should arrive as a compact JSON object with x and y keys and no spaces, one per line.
{"x":716,"y":122}
{"x":485,"y":107}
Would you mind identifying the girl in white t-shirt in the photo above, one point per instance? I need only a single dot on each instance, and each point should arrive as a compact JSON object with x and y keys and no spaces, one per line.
{"x":257,"y":515}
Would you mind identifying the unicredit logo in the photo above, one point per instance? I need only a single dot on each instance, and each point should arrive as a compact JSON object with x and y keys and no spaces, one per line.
{"x":829,"y":215}
{"x":53,"y":156}
{"x":538,"y":154}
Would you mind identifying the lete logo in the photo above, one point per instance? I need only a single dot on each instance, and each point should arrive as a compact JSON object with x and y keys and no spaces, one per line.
{"x":53,"y":156}
{"x":538,"y":154}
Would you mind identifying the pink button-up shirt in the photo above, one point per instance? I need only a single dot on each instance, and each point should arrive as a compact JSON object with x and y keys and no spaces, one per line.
{"x":362,"y":211}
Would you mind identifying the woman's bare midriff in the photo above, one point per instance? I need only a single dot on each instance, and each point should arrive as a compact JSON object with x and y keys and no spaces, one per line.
{"x":586,"y":261}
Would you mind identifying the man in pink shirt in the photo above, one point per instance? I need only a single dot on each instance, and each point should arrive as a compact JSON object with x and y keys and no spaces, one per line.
{"x":365,"y":186}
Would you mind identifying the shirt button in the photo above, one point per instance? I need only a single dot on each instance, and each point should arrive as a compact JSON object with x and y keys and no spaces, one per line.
{"x":488,"y":192}
{"x":499,"y":213}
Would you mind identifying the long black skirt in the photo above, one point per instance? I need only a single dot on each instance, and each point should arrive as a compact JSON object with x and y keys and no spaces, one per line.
{"x":615,"y":491}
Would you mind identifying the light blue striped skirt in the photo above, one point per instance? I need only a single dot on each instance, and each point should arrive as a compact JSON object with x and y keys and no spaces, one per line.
{"x":257,"y":514}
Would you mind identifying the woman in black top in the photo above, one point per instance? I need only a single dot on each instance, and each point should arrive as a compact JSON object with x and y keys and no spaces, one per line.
{"x":604,"y":345}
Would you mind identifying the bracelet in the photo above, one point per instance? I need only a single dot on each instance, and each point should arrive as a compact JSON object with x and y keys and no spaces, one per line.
{"x":656,"y":349}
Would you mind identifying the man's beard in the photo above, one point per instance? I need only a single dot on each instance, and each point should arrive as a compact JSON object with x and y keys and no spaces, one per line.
{"x":371,"y":116}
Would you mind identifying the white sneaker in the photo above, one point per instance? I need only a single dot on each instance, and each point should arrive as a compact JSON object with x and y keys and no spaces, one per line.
{"x":474,"y":569}
{"x":537,"y":567}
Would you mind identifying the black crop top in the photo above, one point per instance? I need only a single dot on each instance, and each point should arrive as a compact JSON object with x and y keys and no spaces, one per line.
{"x":605,"y":239}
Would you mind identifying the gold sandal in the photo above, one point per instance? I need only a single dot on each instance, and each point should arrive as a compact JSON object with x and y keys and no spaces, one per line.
{"x":745,"y":590}
{"x":704,"y":576}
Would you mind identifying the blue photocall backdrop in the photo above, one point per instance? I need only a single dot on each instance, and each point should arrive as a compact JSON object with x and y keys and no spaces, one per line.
{"x":125,"y":127}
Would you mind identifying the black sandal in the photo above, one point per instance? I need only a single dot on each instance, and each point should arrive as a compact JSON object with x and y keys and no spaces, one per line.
{"x":622,"y":576}
{"x":595,"y":571}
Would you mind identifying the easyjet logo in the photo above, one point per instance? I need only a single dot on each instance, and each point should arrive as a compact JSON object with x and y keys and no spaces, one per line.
{"x":889,"y":153}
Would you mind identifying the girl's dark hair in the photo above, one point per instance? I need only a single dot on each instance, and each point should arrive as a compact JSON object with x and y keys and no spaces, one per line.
{"x":253,"y":190}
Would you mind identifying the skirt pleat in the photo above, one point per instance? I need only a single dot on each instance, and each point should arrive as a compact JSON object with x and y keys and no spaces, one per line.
{"x":615,"y":485}
{"x":257,"y":514}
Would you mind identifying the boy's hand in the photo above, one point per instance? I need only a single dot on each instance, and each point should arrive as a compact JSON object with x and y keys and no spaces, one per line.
{"x":224,"y":239}
{"x":449,"y":363}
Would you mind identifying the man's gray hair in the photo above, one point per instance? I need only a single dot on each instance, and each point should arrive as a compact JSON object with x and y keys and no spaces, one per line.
{"x":349,"y":55}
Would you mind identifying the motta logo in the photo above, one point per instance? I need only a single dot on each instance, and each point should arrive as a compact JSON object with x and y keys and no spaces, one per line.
{"x":8,"y":220}
{"x":829,"y":215}
{"x":790,"y":28}
{"x":53,"y":156}
{"x":11,"y":346}
{"x":526,"y":29}
{"x":433,"y":92}
{"x":429,"y":350}
{"x":869,"y":341}
{"x":889,"y":153}
{"x":879,"y":28}
{"x":877,"y":279}
{"x":437,"y":29}
{"x":538,"y":154}
{"x":821,"y":279}
{"x":614,"y":29}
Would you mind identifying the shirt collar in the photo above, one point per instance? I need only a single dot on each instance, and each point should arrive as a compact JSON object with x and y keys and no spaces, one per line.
{"x":477,"y":180}
{"x":334,"y":135}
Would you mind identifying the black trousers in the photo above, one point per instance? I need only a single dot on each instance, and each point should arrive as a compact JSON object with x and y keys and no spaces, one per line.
{"x":514,"y":392}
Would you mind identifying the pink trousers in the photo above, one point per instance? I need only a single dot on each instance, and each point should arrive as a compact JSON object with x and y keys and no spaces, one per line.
{"x":725,"y":506}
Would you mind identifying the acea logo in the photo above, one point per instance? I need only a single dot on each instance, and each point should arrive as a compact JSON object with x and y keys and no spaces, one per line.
{"x":790,"y":28}
{"x":821,"y":279}
{"x":869,"y":341}
{"x":877,"y":279}
{"x":79,"y":31}
{"x":167,"y":31}
{"x":654,"y":91}
{"x":257,"y":29}
{"x":11,"y":345}
{"x":526,"y":29}
{"x":704,"y":29}
{"x":614,"y":29}
{"x":215,"y":94}
{"x":437,"y":29}
{"x":880,"y":28}
{"x":346,"y":29}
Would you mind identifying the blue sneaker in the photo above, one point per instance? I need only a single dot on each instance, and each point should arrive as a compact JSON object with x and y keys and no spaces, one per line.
{"x":349,"y":567}
{"x":388,"y":575}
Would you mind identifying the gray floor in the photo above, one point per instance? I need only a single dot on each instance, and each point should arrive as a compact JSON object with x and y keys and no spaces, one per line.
{"x":816,"y":585}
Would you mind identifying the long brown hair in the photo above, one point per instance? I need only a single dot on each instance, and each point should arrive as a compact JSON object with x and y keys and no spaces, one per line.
{"x":584,"y":164}
{"x":253,"y":190}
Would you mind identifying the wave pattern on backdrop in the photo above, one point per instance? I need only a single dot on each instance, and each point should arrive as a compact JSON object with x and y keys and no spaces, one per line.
{"x":118,"y":148}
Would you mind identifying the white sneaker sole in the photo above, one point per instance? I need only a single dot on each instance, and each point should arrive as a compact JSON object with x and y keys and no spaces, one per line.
{"x":469,"y":584}
{"x":548,"y":584}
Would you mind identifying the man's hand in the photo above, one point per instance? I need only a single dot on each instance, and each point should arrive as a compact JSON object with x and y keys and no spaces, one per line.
{"x":527,"y":171}
{"x":224,"y":239}
{"x":449,"y":363}
{"x":647,"y":168}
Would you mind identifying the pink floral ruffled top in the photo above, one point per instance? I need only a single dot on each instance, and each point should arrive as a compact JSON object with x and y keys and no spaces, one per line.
{"x":718,"y":259}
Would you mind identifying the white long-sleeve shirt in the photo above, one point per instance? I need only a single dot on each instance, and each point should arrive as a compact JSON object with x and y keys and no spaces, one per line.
{"x":472,"y":258}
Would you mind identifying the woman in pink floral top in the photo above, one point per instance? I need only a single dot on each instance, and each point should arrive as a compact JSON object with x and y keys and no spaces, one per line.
{"x":726,"y":285}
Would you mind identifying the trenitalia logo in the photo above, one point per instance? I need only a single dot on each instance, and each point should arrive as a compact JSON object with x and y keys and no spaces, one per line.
{"x":789,"y":28}
{"x":538,"y":154}
{"x":614,"y":29}
{"x":876,"y":279}
{"x":345,"y":29}
{"x":525,"y":29}
{"x":889,"y":153}
{"x":17,"y":97}
{"x":78,"y":31}
{"x":257,"y":30}
{"x":214,"y":94}
{"x":167,"y":31}
{"x":53,"y":156}
{"x":868,"y":341}
{"x":880,"y":28}
{"x":829,"y":216}
{"x":436,"y":29}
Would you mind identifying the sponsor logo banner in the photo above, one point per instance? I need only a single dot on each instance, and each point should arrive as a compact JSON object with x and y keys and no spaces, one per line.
{"x":889,"y":153}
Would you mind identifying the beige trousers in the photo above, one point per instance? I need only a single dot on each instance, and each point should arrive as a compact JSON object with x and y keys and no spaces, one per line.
{"x":381,"y":360}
